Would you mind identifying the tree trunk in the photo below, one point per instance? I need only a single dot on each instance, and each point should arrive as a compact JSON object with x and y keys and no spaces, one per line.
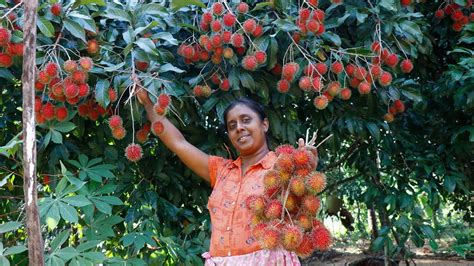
{"x":35,"y":241}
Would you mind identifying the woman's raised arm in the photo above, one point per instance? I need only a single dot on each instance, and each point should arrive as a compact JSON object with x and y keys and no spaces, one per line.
{"x":191,"y":156}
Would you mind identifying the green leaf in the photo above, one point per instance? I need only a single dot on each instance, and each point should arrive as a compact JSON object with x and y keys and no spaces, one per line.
{"x":102,"y":206}
{"x":177,"y":4}
{"x":96,"y":2}
{"x":75,"y":29}
{"x":59,"y":240}
{"x":285,"y":25}
{"x":449,"y":183}
{"x":68,"y":213}
{"x":9,"y":226}
{"x":45,"y":27}
{"x":56,"y":137}
{"x":169,"y":67}
{"x":77,"y":201}
{"x":332,"y":37}
{"x":112,"y":200}
{"x":14,"y":250}
{"x":117,"y":14}
{"x":88,"y":245}
{"x":378,"y":243}
{"x":388,"y":4}
{"x":67,"y":253}
{"x":64,"y":127}
{"x":427,"y":231}
{"x":102,"y":92}
{"x":374,"y":130}
{"x":165,"y":36}
{"x":146,"y":45}
{"x":247,"y":80}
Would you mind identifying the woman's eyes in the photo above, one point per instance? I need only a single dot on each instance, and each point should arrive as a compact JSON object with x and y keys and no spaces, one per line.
{"x":246,"y":120}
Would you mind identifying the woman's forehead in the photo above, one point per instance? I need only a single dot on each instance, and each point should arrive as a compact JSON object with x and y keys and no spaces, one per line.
{"x":239,"y":110}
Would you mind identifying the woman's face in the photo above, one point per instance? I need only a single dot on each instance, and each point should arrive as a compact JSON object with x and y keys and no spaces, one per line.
{"x":246,"y":130}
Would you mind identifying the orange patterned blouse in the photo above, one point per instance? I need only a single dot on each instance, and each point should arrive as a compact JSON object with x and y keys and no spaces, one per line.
{"x":230,"y":218}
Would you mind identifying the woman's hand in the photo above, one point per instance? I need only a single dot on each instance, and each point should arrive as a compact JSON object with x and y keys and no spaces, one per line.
{"x":309,"y":144}
{"x":141,"y":92}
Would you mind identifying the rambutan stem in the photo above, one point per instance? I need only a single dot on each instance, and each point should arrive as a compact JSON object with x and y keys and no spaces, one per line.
{"x":11,"y":10}
{"x":324,"y":140}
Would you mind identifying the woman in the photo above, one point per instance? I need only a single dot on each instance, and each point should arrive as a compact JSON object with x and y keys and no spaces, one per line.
{"x":232,"y":182}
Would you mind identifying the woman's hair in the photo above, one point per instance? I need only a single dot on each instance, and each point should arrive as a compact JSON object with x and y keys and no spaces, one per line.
{"x":253,"y":105}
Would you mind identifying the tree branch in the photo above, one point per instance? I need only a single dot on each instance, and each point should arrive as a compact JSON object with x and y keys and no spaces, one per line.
{"x":350,"y":151}
{"x":340,"y":182}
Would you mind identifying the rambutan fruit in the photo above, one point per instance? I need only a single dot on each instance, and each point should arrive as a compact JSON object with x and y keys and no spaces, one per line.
{"x":399,"y":106}
{"x":71,"y":90}
{"x":350,"y":68}
{"x":229,"y":20}
{"x":289,"y":70}
{"x":256,"y":204}
{"x":291,"y":237}
{"x":385,"y":79}
{"x":273,"y":209}
{"x":216,"y":40}
{"x":61,"y":113}
{"x":134,"y":152}
{"x":391,"y":60}
{"x":291,"y":203}
{"x":115,"y":121}
{"x":43,"y":77}
{"x":261,"y":57}
{"x":364,"y":88}
{"x":224,"y":85}
{"x":112,"y":95}
{"x":305,"y":249}
{"x":48,"y":111}
{"x":313,"y":3}
{"x":312,"y":25}
{"x":321,"y":68}
{"x":159,"y":110}
{"x":250,"y":62}
{"x":301,"y":157}
{"x":317,"y":223}
{"x":6,"y":60}
{"x":117,"y":133}
{"x":258,"y":231}
{"x":406,"y":66}
{"x":86,"y":63}
{"x":310,"y":204}
{"x":405,"y":2}
{"x":319,"y":15}
{"x":83,"y":110}
{"x":79,"y":77}
{"x":337,"y":67}
{"x":375,"y":71}
{"x":216,"y":25}
{"x":345,"y":94}
{"x":258,"y":31}
{"x":15,"y":49}
{"x":284,"y":163}
{"x":206,"y":18}
{"x":141,"y":135}
{"x":271,"y":192}
{"x":305,"y":221}
{"x":389,"y":117}
{"x":277,"y":69}
{"x":39,"y":117}
{"x":271,"y":179}
{"x":70,"y":66}
{"x":317,"y":84}
{"x":217,"y":8}
{"x":284,"y":148}
{"x":164,"y":100}
{"x":270,"y":238}
{"x":304,"y":14}
{"x":242,"y":8}
{"x":321,"y":238}
{"x":297,"y":186}
{"x":237,"y":40}
{"x":187,"y":51}
{"x":333,"y":88}
{"x":226,"y":38}
{"x":439,"y":14}
{"x":375,"y":47}
{"x":38,"y":104}
{"x":51,"y":69}
{"x":360,"y":72}
{"x":315,"y":182}
{"x":93,"y":47}
{"x":56,"y":9}
{"x":283,"y":86}
{"x":305,"y":83}
{"x":157,"y":128}
{"x":5,"y":36}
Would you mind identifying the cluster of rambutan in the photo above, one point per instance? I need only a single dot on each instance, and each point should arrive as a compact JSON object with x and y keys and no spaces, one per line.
{"x":8,"y":50}
{"x":397,"y":107}
{"x":224,"y":38}
{"x":285,"y":215}
{"x":71,"y":90}
{"x":134,"y":151}
{"x":311,"y":19}
{"x":457,"y":14}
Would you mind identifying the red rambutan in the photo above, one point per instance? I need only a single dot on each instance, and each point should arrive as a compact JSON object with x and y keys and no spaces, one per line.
{"x":133,"y":152}
{"x":315,"y":182}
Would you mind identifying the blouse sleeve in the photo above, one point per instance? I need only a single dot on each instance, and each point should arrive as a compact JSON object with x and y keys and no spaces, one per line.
{"x":215,"y":165}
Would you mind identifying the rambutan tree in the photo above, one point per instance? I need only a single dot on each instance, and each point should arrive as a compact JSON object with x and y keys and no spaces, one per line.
{"x":391,"y":81}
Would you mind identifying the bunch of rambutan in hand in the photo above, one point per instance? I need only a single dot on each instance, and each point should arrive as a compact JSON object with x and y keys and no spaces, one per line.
{"x":285,"y":215}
